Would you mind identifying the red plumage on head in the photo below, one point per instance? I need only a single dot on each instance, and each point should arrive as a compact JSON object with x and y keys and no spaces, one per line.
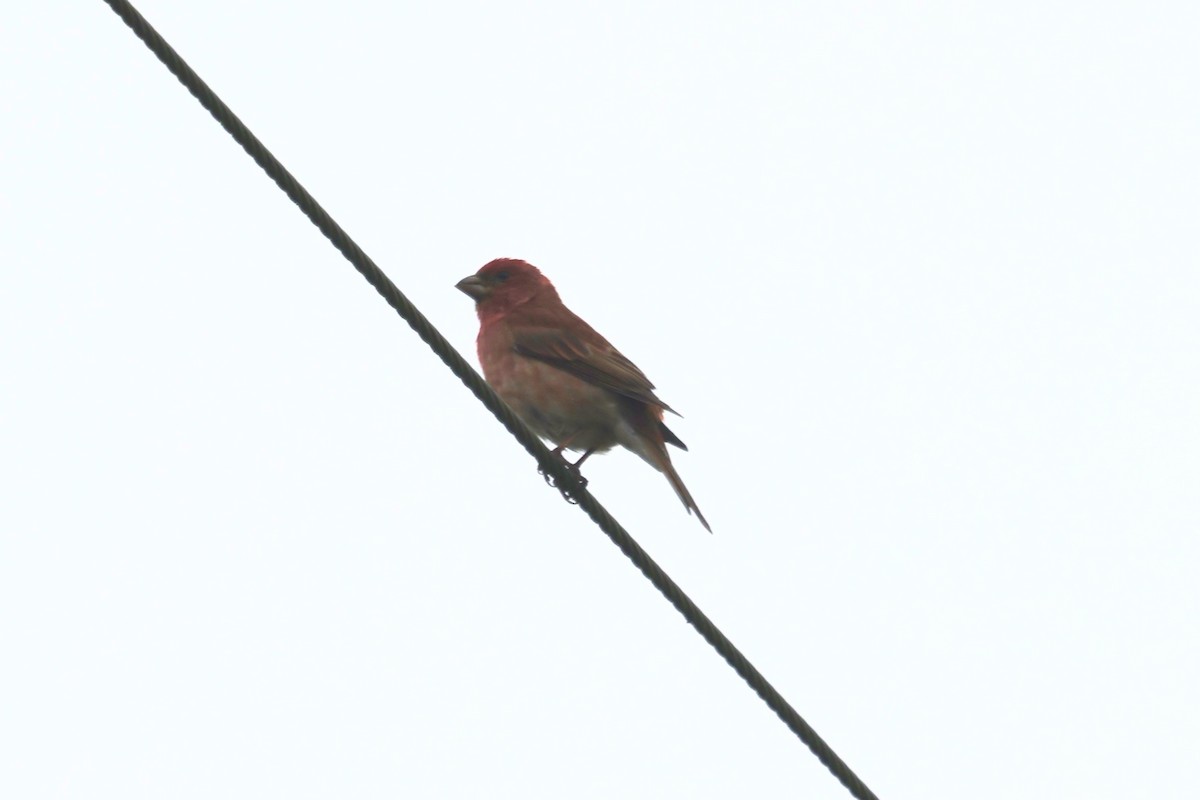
{"x":510,"y":283}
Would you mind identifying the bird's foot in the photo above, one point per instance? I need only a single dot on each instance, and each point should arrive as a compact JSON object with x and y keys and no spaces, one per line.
{"x":573,"y":469}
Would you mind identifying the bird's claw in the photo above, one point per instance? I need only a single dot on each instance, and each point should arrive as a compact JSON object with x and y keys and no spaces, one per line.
{"x":565,"y":491}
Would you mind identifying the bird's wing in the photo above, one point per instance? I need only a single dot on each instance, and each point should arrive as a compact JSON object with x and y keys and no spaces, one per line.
{"x":588,"y":357}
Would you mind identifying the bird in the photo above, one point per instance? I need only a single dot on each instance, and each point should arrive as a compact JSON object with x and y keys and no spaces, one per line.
{"x":562,"y":378}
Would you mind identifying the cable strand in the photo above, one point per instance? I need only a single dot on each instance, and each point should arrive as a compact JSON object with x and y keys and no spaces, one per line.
{"x":548,"y":463}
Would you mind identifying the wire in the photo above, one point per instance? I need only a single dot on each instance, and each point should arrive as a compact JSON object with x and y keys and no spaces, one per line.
{"x":549,"y":465}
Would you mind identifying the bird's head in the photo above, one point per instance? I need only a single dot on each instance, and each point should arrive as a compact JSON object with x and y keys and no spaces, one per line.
{"x":503,"y":284}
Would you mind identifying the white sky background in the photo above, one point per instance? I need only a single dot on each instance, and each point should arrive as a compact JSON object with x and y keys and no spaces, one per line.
{"x":922,"y":278}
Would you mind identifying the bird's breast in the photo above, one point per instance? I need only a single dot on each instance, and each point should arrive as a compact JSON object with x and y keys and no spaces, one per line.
{"x":555,"y":404}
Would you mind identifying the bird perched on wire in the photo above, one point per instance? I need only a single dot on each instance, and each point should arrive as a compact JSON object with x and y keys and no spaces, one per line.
{"x":566,"y":381}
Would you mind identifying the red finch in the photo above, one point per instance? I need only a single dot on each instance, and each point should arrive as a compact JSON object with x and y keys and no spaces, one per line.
{"x":562,"y":378}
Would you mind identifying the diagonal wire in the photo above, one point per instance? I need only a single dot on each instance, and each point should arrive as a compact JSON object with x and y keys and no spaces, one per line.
{"x":550,"y":465}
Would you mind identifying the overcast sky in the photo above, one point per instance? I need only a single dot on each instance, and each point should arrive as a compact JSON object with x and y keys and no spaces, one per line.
{"x":921,"y":277}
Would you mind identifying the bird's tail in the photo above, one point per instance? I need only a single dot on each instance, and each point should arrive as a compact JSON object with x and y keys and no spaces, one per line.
{"x":649,"y":440}
{"x":662,"y":461}
{"x":682,"y":491}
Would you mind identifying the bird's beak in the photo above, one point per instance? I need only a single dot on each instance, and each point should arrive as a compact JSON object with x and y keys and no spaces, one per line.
{"x":474,"y":287}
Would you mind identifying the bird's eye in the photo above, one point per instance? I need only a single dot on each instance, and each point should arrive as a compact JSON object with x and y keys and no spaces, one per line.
{"x":502,"y":276}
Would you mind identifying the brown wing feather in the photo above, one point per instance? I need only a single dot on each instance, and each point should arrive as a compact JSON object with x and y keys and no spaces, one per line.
{"x":587,"y":355}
